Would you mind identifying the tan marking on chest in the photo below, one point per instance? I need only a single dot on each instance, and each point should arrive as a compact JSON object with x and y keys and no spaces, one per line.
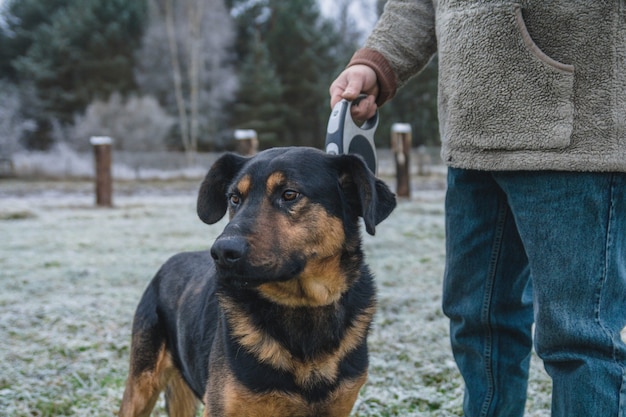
{"x":266,"y":349}
{"x":240,"y":402}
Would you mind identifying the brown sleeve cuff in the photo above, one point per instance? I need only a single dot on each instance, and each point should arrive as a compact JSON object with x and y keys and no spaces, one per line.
{"x":387,"y":81}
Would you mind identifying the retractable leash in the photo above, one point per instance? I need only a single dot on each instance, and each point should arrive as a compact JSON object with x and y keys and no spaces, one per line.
{"x":344,"y":136}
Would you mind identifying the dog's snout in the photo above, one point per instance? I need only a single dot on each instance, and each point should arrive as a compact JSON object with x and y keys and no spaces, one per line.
{"x":227,"y":251}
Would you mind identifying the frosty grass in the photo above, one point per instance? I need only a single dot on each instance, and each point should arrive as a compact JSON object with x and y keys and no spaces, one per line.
{"x":71,"y":276}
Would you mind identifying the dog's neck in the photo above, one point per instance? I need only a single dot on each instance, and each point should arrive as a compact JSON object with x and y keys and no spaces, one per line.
{"x":323,"y":339}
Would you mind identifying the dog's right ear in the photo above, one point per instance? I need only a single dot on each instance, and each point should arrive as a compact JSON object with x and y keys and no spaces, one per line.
{"x":212,"y":203}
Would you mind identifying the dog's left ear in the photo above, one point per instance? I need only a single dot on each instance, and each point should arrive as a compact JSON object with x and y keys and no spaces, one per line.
{"x":374,"y":200}
{"x":212,"y":203}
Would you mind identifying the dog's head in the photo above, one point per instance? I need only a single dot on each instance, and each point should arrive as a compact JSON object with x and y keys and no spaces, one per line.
{"x":293,"y":225}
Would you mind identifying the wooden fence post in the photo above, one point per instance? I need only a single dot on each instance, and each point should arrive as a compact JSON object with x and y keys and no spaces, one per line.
{"x":247,"y":142}
{"x":401,"y":147}
{"x":104,"y":181}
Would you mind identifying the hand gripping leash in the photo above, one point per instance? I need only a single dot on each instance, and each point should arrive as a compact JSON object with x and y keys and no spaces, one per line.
{"x":344,"y":136}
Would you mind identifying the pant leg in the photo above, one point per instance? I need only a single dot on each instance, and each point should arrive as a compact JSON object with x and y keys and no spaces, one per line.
{"x":487,"y":296}
{"x":573,"y":226}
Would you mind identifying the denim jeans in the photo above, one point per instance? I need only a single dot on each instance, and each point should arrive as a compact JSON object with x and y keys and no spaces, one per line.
{"x":542,"y":247}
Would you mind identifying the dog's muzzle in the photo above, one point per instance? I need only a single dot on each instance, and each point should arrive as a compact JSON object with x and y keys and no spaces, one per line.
{"x":231,"y":254}
{"x":228,"y":251}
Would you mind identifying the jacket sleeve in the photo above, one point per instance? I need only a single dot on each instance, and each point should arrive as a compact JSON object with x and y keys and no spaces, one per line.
{"x":400,"y":45}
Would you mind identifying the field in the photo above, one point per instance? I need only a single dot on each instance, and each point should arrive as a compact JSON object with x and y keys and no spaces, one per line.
{"x":71,"y":276}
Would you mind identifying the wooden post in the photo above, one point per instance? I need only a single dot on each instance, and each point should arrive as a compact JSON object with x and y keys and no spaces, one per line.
{"x":401,"y":147}
{"x":247,"y":142}
{"x":104,"y":182}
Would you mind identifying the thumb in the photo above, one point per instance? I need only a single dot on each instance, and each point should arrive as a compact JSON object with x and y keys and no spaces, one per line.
{"x":353,"y":89}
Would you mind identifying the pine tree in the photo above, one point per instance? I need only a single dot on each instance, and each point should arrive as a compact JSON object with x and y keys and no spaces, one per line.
{"x":84,"y":52}
{"x":22,"y":20}
{"x":258,"y":104}
{"x":302,"y":49}
{"x":300,"y":43}
{"x":415,"y":103}
{"x":71,"y":52}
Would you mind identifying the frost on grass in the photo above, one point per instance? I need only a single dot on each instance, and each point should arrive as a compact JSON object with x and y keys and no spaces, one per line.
{"x":72,"y":276}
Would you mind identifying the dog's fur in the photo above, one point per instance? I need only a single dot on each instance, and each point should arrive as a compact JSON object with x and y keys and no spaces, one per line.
{"x":273,"y":321}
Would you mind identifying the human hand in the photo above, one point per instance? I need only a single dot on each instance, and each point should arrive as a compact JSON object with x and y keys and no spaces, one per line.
{"x":353,"y":81}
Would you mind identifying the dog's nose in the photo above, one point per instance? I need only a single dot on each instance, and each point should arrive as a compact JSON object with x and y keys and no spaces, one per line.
{"x":227,"y":251}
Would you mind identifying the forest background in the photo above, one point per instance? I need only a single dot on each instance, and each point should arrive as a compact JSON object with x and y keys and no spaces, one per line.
{"x":182,"y":75}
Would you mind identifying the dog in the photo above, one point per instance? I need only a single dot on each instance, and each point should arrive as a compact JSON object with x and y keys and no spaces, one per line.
{"x":273,"y":320}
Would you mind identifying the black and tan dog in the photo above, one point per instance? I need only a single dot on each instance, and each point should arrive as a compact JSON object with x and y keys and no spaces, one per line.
{"x":273,"y":321}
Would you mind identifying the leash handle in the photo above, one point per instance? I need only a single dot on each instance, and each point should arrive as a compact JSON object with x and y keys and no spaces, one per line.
{"x":344,"y":136}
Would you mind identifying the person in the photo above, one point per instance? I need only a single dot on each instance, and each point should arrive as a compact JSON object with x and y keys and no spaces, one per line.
{"x":532,"y":110}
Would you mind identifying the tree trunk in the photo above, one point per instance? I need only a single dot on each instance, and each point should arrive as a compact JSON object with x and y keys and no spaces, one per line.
{"x":178,"y":84}
{"x":195,"y":13}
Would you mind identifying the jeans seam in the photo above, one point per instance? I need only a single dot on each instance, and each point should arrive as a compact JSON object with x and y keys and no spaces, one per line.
{"x":607,"y":260}
{"x":609,"y":241}
{"x":486,"y":309}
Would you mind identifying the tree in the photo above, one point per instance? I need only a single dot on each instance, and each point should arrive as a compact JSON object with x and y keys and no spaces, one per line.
{"x":415,"y":103}
{"x":12,"y":124}
{"x":249,"y":19}
{"x":195,"y":81}
{"x":302,"y":49}
{"x":21,"y":21}
{"x":258,"y":104}
{"x":135,"y":123}
{"x":72,"y":51}
{"x":300,"y":44}
{"x":84,"y":53}
{"x":346,"y":30}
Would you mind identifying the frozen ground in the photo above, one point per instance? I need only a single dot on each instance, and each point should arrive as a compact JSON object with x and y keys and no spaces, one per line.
{"x":71,"y":276}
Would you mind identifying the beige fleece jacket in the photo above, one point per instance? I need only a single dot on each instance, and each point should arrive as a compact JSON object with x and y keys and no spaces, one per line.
{"x":523,"y":85}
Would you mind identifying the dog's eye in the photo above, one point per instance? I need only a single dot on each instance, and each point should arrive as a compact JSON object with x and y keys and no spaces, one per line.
{"x":290,"y":195}
{"x":234,"y":199}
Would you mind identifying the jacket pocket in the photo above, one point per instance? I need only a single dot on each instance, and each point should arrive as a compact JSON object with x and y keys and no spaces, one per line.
{"x":498,"y":90}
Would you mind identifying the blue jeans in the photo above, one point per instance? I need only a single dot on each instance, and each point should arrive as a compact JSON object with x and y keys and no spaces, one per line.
{"x":542,"y":247}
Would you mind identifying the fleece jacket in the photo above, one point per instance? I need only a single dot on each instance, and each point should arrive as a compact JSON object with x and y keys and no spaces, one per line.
{"x":523,"y":85}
